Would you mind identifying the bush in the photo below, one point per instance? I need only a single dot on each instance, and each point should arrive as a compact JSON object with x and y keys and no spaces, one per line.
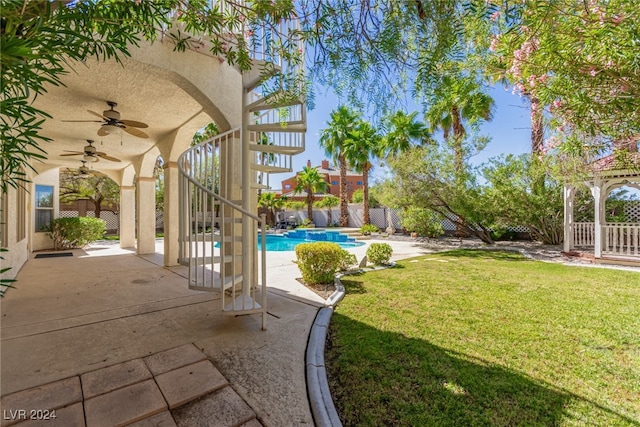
{"x":347,"y":260}
{"x":319,"y":261}
{"x":379,"y":253}
{"x":503,"y":234}
{"x":422,"y":221}
{"x":367,"y":229}
{"x":68,"y":233}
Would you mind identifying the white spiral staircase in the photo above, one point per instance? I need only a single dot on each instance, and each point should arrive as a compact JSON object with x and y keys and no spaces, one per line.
{"x":219,"y":179}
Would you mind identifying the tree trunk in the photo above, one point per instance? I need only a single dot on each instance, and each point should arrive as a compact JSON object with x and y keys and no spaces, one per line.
{"x":309,"y":205}
{"x":537,"y":127}
{"x":98,"y":207}
{"x":458,"y":136}
{"x":365,"y":193}
{"x":344,"y":212}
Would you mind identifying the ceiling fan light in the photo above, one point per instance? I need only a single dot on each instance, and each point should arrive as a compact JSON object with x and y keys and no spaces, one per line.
{"x":110,"y":128}
{"x":90,"y":158}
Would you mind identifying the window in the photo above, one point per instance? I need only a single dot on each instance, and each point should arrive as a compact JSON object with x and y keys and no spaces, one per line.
{"x":334,"y":182}
{"x":287,"y":186}
{"x":359,"y":183}
{"x":44,"y":207}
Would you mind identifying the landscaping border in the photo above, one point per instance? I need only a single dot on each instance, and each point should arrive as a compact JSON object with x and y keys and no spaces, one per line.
{"x":320,"y":399}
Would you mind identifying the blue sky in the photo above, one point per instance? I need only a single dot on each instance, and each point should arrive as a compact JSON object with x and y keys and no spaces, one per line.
{"x":509,"y":130}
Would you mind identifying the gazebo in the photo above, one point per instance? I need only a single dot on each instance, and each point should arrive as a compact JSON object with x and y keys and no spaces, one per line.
{"x":617,"y":242}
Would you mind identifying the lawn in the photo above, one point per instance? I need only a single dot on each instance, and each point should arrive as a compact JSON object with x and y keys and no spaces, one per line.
{"x":477,"y":338}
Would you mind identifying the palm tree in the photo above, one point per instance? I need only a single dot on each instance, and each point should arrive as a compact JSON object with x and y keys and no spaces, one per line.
{"x":363,"y":142}
{"x":458,"y":101}
{"x":404,"y":132}
{"x":332,"y":139}
{"x":272,"y":203}
{"x":311,"y":182}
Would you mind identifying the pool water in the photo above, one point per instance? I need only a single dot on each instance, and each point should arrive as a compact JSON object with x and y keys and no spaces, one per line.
{"x":289,"y":240}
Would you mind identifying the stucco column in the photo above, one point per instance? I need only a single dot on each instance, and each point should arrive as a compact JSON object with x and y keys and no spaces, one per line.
{"x":171,"y":214}
{"x":146,"y":214}
{"x":596,"y":191}
{"x":569,"y":193}
{"x":127,"y":217}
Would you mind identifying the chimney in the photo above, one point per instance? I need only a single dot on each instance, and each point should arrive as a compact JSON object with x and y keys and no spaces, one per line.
{"x":325,"y":164}
{"x":308,"y":163}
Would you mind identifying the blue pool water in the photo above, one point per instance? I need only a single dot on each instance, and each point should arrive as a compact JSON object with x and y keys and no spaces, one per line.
{"x":289,"y":240}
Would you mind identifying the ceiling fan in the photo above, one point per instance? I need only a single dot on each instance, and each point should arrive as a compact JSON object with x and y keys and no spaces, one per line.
{"x":90,"y":154}
{"x":111,"y":122}
{"x":82,"y":172}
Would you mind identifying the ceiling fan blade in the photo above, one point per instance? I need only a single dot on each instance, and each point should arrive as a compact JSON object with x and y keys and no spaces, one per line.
{"x":104,"y":156}
{"x":135,"y":132}
{"x":81,"y":121}
{"x":101,"y":132}
{"x":97,"y":114}
{"x":71,"y":154}
{"x":134,"y":124}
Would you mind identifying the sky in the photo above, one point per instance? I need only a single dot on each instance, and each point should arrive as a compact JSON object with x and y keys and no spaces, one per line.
{"x":510,"y":131}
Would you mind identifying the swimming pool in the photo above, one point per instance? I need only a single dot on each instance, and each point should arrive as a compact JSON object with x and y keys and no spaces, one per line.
{"x":289,"y":240}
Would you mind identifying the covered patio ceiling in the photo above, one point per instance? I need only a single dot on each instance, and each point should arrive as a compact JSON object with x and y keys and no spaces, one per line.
{"x":142,"y":93}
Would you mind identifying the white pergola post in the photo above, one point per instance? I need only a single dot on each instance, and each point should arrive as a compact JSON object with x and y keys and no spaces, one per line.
{"x":127,"y":217}
{"x":569,"y":194}
{"x":146,"y":215}
{"x":171,"y":214}
{"x":596,"y":192}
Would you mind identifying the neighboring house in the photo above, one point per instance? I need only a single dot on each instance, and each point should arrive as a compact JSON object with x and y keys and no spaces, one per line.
{"x":332,"y":176}
{"x":175,"y":94}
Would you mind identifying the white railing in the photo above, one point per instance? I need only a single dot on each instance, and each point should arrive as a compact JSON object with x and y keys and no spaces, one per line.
{"x":212,"y":244}
{"x":621,"y":239}
{"x":584,"y":234}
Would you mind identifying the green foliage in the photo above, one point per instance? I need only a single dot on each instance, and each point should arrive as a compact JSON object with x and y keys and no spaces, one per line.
{"x":98,"y":188}
{"x":428,"y":177}
{"x":319,"y":261}
{"x":5,"y":283}
{"x":379,"y":253}
{"x":295,"y":205}
{"x":367,"y":229}
{"x":422,"y":221}
{"x":328,"y":202}
{"x":307,"y":223}
{"x":333,"y":140}
{"x":523,"y":192}
{"x":68,"y":233}
{"x":347,"y":260}
{"x":272,"y":203}
{"x":311,"y":182}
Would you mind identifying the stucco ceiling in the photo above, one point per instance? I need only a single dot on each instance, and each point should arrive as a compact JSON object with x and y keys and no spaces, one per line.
{"x":141,"y":94}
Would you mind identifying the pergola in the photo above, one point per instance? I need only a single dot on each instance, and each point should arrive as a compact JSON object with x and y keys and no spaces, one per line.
{"x":609,"y":240}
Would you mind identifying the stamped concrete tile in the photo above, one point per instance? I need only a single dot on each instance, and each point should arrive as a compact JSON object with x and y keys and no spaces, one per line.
{"x":125,"y":406}
{"x":190,"y":382}
{"x":163,"y":419}
{"x":47,"y":397}
{"x":69,"y":416}
{"x":223,"y":408}
{"x":114,"y":377}
{"x":174,"y":358}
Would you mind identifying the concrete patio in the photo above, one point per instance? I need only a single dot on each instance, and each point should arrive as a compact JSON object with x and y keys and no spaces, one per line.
{"x":106,"y":337}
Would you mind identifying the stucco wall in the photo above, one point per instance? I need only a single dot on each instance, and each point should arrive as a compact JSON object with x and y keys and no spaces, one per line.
{"x":18,"y":252}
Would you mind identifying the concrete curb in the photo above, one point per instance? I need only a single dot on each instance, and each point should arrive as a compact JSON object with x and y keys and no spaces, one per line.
{"x":322,"y":406}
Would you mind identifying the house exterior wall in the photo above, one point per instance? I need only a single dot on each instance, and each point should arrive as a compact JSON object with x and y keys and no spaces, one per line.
{"x":332,"y":177}
{"x":17,"y":246}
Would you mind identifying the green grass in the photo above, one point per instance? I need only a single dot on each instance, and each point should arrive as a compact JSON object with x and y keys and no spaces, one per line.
{"x":477,"y":338}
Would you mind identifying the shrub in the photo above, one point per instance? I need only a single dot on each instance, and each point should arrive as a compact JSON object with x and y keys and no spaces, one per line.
{"x":379,"y":253}
{"x":319,"y":261}
{"x":347,"y":259}
{"x":422,"y":221}
{"x":367,"y":229}
{"x":500,"y":233}
{"x":307,"y":223}
{"x":68,"y":233}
